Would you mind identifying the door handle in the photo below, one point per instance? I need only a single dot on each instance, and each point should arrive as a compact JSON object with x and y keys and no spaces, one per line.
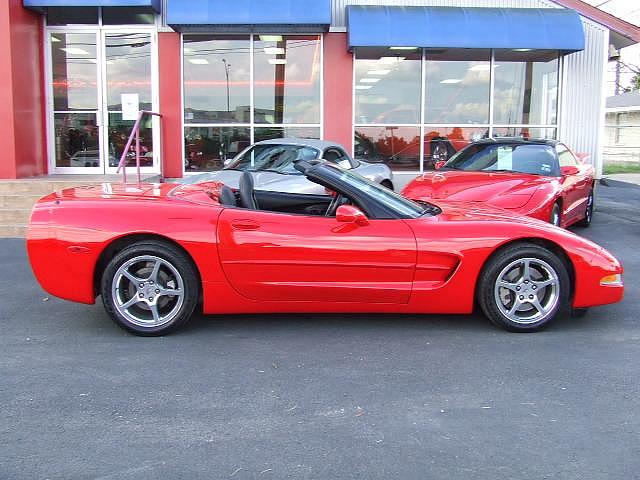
{"x":245,"y":225}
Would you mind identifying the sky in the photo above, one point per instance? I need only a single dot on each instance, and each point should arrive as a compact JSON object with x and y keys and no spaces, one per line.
{"x":628,"y":10}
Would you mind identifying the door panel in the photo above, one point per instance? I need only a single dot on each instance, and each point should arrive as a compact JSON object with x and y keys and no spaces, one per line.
{"x":281,"y":257}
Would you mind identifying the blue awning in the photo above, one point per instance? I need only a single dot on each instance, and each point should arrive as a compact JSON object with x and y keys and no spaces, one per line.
{"x":249,"y":15}
{"x":461,"y":27}
{"x":42,"y":4}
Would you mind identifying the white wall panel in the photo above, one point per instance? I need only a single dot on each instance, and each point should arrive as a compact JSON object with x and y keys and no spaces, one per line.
{"x":583,"y":100}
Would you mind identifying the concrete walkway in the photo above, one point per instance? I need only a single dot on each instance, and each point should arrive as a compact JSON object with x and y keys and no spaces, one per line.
{"x":624,"y":177}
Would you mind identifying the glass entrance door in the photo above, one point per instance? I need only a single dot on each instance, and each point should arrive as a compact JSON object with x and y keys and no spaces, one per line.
{"x":91,"y":73}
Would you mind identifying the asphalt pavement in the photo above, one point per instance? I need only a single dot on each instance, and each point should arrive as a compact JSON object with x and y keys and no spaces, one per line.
{"x":323,"y":396}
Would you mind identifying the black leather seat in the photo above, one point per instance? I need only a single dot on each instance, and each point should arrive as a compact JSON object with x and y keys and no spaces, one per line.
{"x":247,"y":194}
{"x":227,"y":197}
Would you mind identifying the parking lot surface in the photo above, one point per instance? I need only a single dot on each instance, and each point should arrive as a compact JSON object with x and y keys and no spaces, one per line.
{"x":323,"y":396}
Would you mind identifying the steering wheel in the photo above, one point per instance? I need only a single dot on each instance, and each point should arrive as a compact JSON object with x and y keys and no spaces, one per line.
{"x":333,"y":206}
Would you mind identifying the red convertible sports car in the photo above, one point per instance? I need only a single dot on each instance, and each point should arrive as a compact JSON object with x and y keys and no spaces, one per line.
{"x":156,"y":252}
{"x":539,"y":178}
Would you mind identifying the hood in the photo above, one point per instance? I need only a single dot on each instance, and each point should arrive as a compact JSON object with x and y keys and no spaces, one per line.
{"x":505,"y":189}
{"x":459,"y":211}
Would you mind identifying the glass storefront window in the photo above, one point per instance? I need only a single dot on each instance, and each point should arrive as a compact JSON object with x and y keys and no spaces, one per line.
{"x":75,"y":71}
{"x":440,"y":143}
{"x":268,"y":133}
{"x":218,"y":93}
{"x":286,"y":79}
{"x":525,"y":132}
{"x":207,"y":148}
{"x":216,"y":78}
{"x":127,"y":16}
{"x":457,"y":106}
{"x":387,"y":87}
{"x":457,"y":86}
{"x":526,"y":87}
{"x":72,"y":15}
{"x":128,"y":59}
{"x":399,"y":147}
{"x":76,"y":140}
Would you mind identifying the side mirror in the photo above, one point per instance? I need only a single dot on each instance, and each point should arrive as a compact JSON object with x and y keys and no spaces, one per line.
{"x":351,"y":214}
{"x":228,"y":161}
{"x":569,"y":170}
{"x":439,"y":164}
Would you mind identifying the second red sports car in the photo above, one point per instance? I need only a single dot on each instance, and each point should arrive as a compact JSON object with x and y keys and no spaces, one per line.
{"x":538,"y":178}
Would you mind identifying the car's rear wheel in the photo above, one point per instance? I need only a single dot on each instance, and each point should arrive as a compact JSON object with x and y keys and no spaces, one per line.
{"x":588,"y":214}
{"x":150,"y":288}
{"x":523,"y":288}
{"x":556,"y":213}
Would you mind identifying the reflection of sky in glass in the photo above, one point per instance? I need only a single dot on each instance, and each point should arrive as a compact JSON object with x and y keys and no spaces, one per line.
{"x":291,"y":87}
{"x":457,"y":92}
{"x":128,"y":68}
{"x":205,"y":83}
{"x":73,"y":57}
{"x":510,"y":92}
{"x":387,"y":90}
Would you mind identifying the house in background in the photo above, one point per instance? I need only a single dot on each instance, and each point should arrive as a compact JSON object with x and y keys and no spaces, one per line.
{"x":621,"y":145}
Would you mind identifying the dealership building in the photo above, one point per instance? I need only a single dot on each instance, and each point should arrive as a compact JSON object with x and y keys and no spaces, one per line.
{"x":401,"y":82}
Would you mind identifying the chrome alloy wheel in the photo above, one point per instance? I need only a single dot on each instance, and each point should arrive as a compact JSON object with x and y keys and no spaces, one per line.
{"x":527,"y":291}
{"x":148,"y":291}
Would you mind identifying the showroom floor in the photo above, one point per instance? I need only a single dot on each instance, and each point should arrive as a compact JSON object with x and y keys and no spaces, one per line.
{"x":323,"y":396}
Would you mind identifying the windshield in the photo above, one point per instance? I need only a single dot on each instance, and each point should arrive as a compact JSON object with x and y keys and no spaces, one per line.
{"x":403,"y":206}
{"x":273,"y":157}
{"x":536,"y":159}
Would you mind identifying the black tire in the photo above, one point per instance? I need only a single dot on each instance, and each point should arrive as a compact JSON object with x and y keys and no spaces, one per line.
{"x":157,"y":306}
{"x":556,"y":215}
{"x":545,"y":266}
{"x":387,"y":184}
{"x":588,"y":214}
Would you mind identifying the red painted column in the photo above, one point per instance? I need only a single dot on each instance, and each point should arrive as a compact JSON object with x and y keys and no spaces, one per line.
{"x":338,"y":90}
{"x":170,"y":103}
{"x":22,"y":104}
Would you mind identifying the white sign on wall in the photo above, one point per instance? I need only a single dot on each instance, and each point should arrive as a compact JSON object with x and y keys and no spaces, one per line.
{"x":130,"y":106}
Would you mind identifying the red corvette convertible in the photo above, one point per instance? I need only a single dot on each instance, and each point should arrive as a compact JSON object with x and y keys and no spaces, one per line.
{"x":539,"y":178}
{"x":156,"y":252}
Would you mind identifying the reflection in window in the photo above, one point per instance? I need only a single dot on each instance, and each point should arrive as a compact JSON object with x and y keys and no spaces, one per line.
{"x":457,"y":86}
{"x":216,"y":78}
{"x":387,"y":87}
{"x":76,"y":140}
{"x":268,"y":133}
{"x":286,"y":79}
{"x":440,"y":143}
{"x":526,"y":87}
{"x":207,"y":148}
{"x":128,"y":64}
{"x":75,"y":74}
{"x":217,"y":93}
{"x":524,"y":132}
{"x":399,"y":147}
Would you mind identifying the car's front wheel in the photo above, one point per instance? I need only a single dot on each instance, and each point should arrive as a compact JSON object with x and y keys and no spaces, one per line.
{"x":150,"y":288}
{"x":523,"y":287}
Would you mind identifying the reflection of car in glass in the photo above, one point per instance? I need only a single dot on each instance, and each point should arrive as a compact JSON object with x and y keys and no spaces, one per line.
{"x":273,"y":160}
{"x":157,"y":251}
{"x":394,"y":150}
{"x":85,"y":158}
{"x":539,"y":178}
